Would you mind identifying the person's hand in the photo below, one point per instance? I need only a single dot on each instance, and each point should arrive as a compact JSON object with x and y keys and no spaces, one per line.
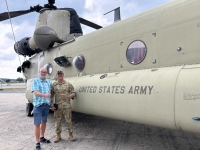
{"x":47,"y":95}
{"x":71,"y":95}
{"x":53,"y":108}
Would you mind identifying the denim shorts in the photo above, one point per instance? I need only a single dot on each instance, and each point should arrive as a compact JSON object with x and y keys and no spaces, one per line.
{"x":40,"y":114}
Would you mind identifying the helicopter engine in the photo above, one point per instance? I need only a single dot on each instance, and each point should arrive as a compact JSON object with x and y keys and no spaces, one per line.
{"x":22,"y":47}
{"x":49,"y":31}
{"x":43,"y":39}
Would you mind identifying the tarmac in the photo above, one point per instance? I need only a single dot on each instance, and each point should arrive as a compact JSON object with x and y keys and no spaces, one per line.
{"x":91,"y":132}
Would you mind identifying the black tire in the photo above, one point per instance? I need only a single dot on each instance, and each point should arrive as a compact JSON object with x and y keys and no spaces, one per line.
{"x":29,"y":108}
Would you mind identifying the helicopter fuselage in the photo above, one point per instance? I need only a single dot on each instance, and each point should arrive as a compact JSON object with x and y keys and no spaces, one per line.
{"x":143,"y":69}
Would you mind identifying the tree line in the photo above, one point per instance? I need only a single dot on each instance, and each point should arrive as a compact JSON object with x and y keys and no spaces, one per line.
{"x":17,"y":80}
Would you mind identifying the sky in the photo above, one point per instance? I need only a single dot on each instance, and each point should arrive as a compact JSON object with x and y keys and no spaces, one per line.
{"x":23,"y":26}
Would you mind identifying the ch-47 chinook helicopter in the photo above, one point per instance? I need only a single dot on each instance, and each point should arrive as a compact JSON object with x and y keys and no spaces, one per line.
{"x":144,"y":69}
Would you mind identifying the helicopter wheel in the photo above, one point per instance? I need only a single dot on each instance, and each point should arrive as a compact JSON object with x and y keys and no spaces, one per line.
{"x":29,"y":108}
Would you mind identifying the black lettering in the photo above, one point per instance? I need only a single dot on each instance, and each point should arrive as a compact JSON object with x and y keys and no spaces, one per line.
{"x":130,"y":90}
{"x":88,"y":88}
{"x":94,"y":89}
{"x":117,"y":90}
{"x":113,"y":87}
{"x":122,"y":90}
{"x":104,"y":89}
{"x":137,"y":88}
{"x":100,"y":89}
{"x":84,"y":89}
{"x":80,"y":89}
{"x":91,"y":89}
{"x":108,"y":90}
{"x":143,"y":91}
{"x":150,"y":88}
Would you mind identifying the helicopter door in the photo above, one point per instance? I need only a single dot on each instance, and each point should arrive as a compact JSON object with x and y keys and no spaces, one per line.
{"x":187,"y":99}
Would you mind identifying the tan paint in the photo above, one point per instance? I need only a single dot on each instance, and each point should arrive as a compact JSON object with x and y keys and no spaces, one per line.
{"x":172,"y":74}
{"x":187,"y":99}
{"x":142,"y":96}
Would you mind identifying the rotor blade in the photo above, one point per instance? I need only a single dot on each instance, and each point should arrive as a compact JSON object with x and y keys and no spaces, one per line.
{"x":4,"y":16}
{"x":90,"y":24}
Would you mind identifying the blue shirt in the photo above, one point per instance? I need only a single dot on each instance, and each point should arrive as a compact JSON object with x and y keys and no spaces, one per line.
{"x":42,"y":86}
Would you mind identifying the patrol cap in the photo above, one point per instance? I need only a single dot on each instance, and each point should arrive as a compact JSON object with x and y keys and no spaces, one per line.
{"x":60,"y":72}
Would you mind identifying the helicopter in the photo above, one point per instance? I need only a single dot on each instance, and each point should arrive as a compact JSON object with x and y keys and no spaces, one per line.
{"x":144,"y":69}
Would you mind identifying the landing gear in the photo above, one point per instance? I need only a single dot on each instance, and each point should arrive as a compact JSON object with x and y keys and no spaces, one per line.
{"x":29,"y":108}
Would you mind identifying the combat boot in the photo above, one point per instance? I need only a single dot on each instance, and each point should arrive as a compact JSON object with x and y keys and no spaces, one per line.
{"x":58,"y":138}
{"x":71,"y":138}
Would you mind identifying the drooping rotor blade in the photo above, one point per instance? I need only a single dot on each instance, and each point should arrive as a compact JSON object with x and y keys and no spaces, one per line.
{"x":90,"y":24}
{"x":5,"y":16}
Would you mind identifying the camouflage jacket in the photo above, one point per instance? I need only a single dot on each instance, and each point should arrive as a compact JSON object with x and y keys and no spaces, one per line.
{"x":60,"y":92}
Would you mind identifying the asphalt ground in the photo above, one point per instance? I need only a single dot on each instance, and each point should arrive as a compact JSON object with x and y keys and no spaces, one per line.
{"x":13,"y":88}
{"x":92,"y":132}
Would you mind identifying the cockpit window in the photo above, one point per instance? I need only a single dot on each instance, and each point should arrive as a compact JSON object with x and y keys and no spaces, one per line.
{"x":136,"y":52}
{"x":79,"y":63}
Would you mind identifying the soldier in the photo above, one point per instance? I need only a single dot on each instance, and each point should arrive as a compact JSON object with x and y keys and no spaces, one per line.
{"x":62,"y":91}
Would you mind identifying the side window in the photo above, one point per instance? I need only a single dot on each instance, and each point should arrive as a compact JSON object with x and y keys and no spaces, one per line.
{"x":49,"y":68}
{"x":136,"y":52}
{"x":79,"y":63}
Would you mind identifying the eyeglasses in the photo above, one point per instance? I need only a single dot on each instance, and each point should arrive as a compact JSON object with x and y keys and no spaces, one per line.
{"x":59,"y":72}
{"x":43,"y":72}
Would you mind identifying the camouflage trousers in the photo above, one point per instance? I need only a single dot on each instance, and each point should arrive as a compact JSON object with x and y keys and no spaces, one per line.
{"x":67,"y":113}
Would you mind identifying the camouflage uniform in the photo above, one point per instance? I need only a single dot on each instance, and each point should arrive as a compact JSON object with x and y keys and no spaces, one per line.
{"x":60,"y":92}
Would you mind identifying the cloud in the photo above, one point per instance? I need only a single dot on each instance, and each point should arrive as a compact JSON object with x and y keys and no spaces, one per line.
{"x":7,"y":52}
{"x":7,"y":56}
{"x":9,"y":60}
{"x":8,"y":69}
{"x":9,"y":35}
{"x":6,"y":48}
{"x":95,"y":10}
{"x":25,"y":29}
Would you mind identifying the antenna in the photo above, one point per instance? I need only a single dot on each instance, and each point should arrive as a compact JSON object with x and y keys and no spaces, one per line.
{"x":117,"y":15}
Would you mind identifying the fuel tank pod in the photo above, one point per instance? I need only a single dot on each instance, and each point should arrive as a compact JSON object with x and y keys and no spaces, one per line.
{"x":187,"y":99}
{"x":164,"y":97}
{"x":140,"y":96}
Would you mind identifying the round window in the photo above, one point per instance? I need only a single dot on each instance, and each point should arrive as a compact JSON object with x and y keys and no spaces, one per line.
{"x":136,"y":52}
{"x":79,"y":63}
{"x":49,"y":68}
